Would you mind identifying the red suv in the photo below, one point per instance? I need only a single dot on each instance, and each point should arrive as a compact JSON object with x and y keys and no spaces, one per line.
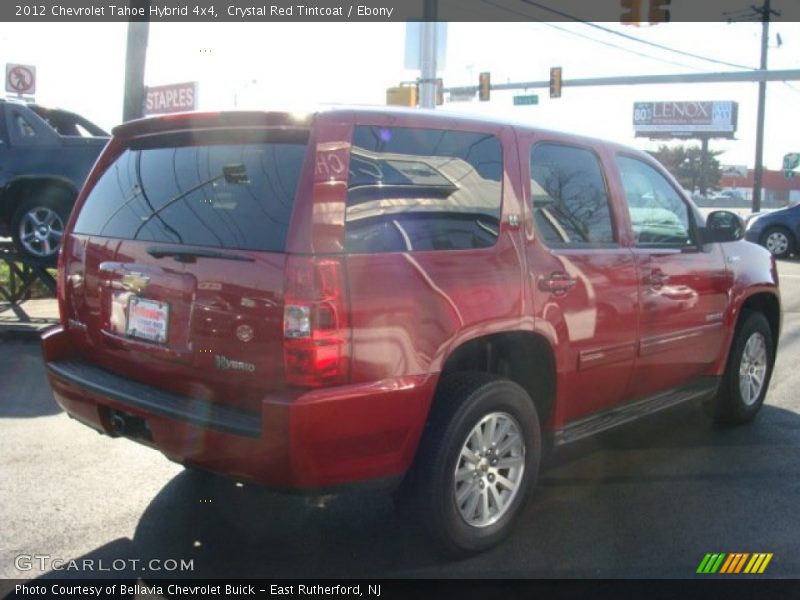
{"x":402,"y":298}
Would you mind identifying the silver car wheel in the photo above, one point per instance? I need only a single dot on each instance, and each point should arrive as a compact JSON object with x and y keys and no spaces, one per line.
{"x":777,"y":242}
{"x":753,"y":369}
{"x":489,"y":470}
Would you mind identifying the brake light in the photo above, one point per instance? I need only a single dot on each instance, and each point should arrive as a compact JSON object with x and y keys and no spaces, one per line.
{"x":316,"y":330}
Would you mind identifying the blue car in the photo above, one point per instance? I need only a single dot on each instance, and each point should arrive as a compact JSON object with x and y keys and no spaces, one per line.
{"x":778,"y":231}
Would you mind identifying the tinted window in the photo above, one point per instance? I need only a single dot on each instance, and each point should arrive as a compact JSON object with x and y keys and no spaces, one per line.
{"x":422,"y":189}
{"x":24,"y":129}
{"x":570,"y":201}
{"x":225,"y":195}
{"x":658,"y":215}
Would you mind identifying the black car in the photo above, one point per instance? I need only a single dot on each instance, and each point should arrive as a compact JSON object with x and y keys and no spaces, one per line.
{"x":45,"y":155}
{"x":778,"y":231}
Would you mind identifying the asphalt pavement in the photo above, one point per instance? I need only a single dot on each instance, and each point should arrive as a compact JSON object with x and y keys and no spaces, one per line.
{"x":648,"y":500}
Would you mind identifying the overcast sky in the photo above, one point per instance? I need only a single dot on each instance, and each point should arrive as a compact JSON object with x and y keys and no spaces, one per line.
{"x":265,"y":65}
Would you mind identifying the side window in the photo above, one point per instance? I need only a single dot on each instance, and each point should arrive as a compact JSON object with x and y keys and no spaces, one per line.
{"x":24,"y":129}
{"x":415,"y":189}
{"x":658,"y":215}
{"x":569,"y":196}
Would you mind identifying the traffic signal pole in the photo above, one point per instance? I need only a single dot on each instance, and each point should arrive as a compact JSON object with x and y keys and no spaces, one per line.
{"x":135,"y":59}
{"x":721,"y":77}
{"x":758,"y":168}
{"x":427,"y":82}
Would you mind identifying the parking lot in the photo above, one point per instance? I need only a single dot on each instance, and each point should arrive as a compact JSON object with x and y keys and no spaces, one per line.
{"x":648,"y":500}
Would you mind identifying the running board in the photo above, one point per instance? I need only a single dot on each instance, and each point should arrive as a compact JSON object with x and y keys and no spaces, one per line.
{"x":588,"y":426}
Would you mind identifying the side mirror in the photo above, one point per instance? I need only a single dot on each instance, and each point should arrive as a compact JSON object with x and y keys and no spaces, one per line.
{"x":723,"y":226}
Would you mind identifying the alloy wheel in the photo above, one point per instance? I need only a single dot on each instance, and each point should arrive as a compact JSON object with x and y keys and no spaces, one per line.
{"x":40,"y":231}
{"x":489,"y":469}
{"x":753,"y":368}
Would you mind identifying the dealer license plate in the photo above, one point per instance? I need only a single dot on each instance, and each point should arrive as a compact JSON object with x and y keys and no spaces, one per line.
{"x":148,"y":319}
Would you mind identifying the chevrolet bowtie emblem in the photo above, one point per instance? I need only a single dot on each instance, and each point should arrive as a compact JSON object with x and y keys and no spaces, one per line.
{"x":134,"y":282}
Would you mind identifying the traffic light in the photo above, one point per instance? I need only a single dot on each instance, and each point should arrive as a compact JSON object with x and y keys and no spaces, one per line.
{"x":632,"y":12}
{"x":439,"y":91}
{"x":484,"y":86}
{"x":555,"y":82}
{"x":658,"y":11}
{"x":402,"y":95}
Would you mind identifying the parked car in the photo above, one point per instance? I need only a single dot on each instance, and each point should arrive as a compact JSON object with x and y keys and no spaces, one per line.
{"x":45,"y":155}
{"x":776,"y":230}
{"x":393,"y":298}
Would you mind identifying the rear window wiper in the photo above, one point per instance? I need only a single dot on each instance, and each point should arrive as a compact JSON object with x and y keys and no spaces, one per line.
{"x":234,"y":174}
{"x":190,"y":254}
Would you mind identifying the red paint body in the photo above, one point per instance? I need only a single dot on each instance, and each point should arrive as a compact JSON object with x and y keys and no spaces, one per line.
{"x":614,"y":339}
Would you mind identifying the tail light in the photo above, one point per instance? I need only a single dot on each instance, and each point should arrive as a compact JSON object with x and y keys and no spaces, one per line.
{"x":316,"y":330}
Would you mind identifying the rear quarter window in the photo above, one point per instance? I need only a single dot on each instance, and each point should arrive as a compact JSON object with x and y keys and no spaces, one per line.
{"x":413,"y":189}
{"x":221,"y":195}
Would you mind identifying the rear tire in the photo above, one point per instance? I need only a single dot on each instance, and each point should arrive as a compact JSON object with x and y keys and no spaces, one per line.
{"x":477,"y":462}
{"x":746,"y":378}
{"x":37,"y":225}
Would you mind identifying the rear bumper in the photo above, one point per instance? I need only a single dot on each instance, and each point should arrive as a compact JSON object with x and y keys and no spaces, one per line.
{"x":303,"y":441}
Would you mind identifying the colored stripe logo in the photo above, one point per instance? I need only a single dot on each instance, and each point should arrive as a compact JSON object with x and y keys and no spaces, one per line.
{"x":734,"y":563}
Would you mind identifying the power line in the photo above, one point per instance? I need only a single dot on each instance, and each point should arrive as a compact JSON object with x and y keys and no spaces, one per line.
{"x":592,"y":39}
{"x":623,"y":48}
{"x":791,"y":87}
{"x":634,"y":38}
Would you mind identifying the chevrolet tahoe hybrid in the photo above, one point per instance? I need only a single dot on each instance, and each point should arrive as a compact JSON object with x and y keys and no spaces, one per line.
{"x":399,"y":298}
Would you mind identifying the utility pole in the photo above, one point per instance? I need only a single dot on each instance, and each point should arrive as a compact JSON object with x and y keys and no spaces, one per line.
{"x":703,"y":164}
{"x":135,"y":59}
{"x":427,"y":82}
{"x":758,"y":169}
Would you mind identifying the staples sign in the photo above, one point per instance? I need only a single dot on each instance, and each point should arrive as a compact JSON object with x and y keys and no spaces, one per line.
{"x":175,"y":97}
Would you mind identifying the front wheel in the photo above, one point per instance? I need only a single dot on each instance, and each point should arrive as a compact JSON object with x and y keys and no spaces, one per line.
{"x":478,"y":461}
{"x":746,"y":378}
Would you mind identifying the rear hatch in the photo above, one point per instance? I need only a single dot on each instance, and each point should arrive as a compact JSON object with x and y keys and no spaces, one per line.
{"x":174,"y":264}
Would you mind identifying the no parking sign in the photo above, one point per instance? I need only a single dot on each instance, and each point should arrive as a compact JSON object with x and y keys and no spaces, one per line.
{"x":20,"y":79}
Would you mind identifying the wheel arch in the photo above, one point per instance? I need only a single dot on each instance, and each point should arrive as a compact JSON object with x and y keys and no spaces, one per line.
{"x":768,"y":304}
{"x":523,"y":357}
{"x":20,"y":189}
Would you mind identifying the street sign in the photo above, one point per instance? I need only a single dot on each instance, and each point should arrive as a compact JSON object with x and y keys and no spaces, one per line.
{"x":20,"y":79}
{"x":171,"y":98}
{"x":462,"y":96}
{"x":526,"y":100}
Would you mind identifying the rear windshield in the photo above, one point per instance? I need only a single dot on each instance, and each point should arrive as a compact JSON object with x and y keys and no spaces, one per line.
{"x":227,"y":195}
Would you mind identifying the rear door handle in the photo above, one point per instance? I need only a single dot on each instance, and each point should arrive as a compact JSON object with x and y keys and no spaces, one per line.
{"x":558,"y":283}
